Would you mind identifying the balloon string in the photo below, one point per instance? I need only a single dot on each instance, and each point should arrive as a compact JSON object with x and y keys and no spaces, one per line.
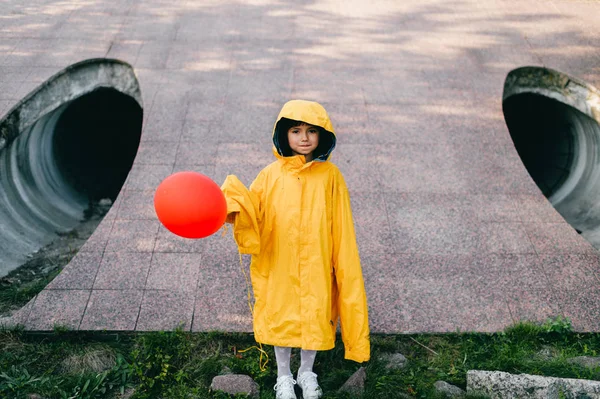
{"x":262,"y":363}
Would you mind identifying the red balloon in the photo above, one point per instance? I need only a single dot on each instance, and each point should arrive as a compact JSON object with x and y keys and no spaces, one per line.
{"x":190,"y":205}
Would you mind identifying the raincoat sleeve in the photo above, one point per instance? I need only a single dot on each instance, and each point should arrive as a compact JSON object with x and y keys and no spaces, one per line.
{"x":352,"y":298}
{"x":244,"y":211}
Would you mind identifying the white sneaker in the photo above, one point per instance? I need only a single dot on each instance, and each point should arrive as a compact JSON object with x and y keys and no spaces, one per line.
{"x":309,"y":385}
{"x":285,"y":387}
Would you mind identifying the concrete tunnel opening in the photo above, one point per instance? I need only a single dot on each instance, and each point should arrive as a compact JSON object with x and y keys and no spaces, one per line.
{"x":95,"y":142}
{"x":555,"y":133}
{"x":63,"y":148}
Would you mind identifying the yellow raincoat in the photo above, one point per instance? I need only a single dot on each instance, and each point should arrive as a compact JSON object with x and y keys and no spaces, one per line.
{"x":296,"y":222}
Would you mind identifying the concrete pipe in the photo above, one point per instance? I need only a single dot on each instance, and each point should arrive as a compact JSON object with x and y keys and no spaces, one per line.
{"x":62,"y":150}
{"x":554,"y":122}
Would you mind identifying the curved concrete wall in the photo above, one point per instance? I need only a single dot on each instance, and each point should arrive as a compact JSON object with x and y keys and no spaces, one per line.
{"x":554,"y":122}
{"x":70,"y":142}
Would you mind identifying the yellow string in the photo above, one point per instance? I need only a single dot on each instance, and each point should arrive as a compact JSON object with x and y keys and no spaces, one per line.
{"x":262,"y":366}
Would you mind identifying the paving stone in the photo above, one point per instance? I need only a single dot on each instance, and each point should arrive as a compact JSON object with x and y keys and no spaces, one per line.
{"x":112,"y":310}
{"x":174,"y":271}
{"x":556,"y":238}
{"x":169,"y":242}
{"x":202,"y":130}
{"x":133,"y":236}
{"x":79,"y":273}
{"x":567,"y":271}
{"x":196,"y":153}
{"x":111,"y":215}
{"x":99,"y":238}
{"x":18,"y":318}
{"x":360,"y":165}
{"x":425,"y":302}
{"x":510,"y":238}
{"x":242,"y":161}
{"x":57,"y":308}
{"x":581,"y":307}
{"x":137,"y":204}
{"x":330,"y":86}
{"x":168,"y":115}
{"x":126,"y":50}
{"x":198,"y":56}
{"x":166,"y":310}
{"x":536,"y":208}
{"x":123,"y":270}
{"x":489,"y":272}
{"x":222,"y":293}
{"x":420,"y":167}
{"x":159,"y":152}
{"x":147,"y":177}
{"x":248,"y":121}
{"x":373,"y":232}
{"x":273,"y":86}
{"x":531,"y":305}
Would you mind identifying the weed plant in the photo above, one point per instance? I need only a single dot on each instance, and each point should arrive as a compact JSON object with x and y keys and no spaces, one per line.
{"x":178,"y":365}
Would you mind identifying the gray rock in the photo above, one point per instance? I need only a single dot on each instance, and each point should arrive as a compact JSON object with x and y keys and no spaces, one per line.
{"x":105,"y":202}
{"x":235,"y":384}
{"x":356,"y":383}
{"x":585,"y":361}
{"x":451,"y":391}
{"x":394,"y":361}
{"x":545,"y":354}
{"x":34,"y":396}
{"x":127,"y":393}
{"x":500,"y":385}
{"x":225,"y":371}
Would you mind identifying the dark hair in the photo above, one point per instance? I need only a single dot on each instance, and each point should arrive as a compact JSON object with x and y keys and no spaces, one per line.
{"x":280,"y":139}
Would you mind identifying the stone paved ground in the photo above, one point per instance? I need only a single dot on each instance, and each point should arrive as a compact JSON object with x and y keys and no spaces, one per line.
{"x":453,"y":233}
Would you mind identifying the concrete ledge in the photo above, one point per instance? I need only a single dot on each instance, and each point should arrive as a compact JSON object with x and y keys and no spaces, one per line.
{"x":70,"y":83}
{"x":497,"y":384}
{"x":556,"y":85}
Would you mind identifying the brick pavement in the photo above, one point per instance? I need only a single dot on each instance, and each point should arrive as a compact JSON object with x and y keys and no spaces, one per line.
{"x":453,"y":234}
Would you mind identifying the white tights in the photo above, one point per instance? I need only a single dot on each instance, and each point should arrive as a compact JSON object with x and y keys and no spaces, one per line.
{"x":283,"y":354}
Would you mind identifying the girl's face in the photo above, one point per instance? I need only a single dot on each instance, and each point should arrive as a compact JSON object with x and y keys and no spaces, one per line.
{"x":303,"y":140}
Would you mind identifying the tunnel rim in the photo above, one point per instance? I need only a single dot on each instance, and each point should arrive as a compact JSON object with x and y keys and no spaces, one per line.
{"x":555,"y":85}
{"x":573,"y":93}
{"x":50,"y":99}
{"x":99,"y":73}
{"x":576,"y":198}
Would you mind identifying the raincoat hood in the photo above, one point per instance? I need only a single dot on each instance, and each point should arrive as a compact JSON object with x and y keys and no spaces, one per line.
{"x":312,"y":113}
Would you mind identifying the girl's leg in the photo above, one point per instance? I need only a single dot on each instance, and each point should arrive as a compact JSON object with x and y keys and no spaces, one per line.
{"x":282,"y":355}
{"x":307,"y":380}
{"x":285,"y":382}
{"x":307,"y":360}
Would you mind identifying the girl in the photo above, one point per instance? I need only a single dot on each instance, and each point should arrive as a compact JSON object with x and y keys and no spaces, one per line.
{"x":296,"y":222}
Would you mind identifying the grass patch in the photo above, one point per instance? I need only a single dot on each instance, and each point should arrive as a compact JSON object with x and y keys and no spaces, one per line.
{"x":14,"y":296}
{"x":181,"y":365}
